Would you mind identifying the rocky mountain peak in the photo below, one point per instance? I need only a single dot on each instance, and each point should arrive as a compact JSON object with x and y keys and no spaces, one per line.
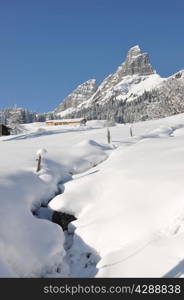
{"x":135,"y":63}
{"x":134,"y":51}
{"x":133,"y":93}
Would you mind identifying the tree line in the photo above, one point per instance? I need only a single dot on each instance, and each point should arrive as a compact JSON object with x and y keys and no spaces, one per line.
{"x":15,"y":116}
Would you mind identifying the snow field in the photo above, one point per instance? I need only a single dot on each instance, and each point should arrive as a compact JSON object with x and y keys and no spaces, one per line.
{"x":127,"y":197}
{"x":29,"y":246}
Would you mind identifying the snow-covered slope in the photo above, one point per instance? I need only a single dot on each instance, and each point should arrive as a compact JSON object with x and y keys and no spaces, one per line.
{"x":82,"y":93}
{"x":128,"y":95}
{"x":127,"y":197}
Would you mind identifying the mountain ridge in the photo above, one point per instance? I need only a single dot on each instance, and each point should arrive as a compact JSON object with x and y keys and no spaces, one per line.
{"x":133,"y":81}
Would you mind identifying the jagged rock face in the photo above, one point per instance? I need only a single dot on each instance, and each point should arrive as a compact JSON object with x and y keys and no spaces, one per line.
{"x":136,"y":63}
{"x":134,"y":93}
{"x":82,"y":93}
{"x":133,"y":71}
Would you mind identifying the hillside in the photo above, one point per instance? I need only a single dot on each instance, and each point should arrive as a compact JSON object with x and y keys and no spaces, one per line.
{"x":127,"y":197}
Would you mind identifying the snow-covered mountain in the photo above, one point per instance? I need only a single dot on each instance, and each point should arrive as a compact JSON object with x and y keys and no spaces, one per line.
{"x":135,"y":92}
{"x":82,"y":93}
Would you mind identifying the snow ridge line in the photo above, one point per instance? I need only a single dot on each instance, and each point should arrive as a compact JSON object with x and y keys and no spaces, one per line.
{"x":129,"y":256}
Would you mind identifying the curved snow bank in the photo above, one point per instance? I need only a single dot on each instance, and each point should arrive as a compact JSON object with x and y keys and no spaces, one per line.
{"x":179,"y":132}
{"x":87,"y":154}
{"x":162,"y":131}
{"x":29,"y":246}
{"x":32,"y":247}
{"x":123,"y":205}
{"x":161,"y":257}
{"x":91,"y":154}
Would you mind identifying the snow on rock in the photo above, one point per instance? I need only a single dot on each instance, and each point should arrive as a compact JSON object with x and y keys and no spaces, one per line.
{"x":134,"y":92}
{"x":133,"y":86}
{"x":136,"y":63}
{"x":82,"y":93}
{"x":65,"y":112}
{"x":129,"y":74}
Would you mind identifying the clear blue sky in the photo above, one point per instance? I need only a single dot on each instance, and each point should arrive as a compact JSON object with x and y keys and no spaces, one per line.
{"x":48,"y":47}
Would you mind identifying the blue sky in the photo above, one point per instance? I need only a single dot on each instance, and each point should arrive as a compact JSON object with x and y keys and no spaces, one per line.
{"x":48,"y":47}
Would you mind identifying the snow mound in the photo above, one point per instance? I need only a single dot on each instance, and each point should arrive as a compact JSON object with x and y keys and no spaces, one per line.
{"x":88,"y":154}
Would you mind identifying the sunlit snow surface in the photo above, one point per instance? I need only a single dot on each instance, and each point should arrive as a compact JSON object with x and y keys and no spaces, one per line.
{"x":128,"y":198}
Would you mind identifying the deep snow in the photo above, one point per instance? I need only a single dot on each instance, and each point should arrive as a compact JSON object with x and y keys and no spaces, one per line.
{"x":127,"y":197}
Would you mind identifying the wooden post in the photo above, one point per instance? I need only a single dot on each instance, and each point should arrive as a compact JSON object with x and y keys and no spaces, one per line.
{"x":39,"y":159}
{"x":108,"y":136}
{"x":131,"y":133}
{"x":40,"y":154}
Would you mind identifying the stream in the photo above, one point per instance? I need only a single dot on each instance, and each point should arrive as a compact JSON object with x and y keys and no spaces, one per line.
{"x":80,"y":258}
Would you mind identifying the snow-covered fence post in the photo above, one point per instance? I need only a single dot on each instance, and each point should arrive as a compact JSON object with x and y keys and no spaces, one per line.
{"x":131,"y":132}
{"x":108,"y":136}
{"x":40,"y":153}
{"x":39,"y":163}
